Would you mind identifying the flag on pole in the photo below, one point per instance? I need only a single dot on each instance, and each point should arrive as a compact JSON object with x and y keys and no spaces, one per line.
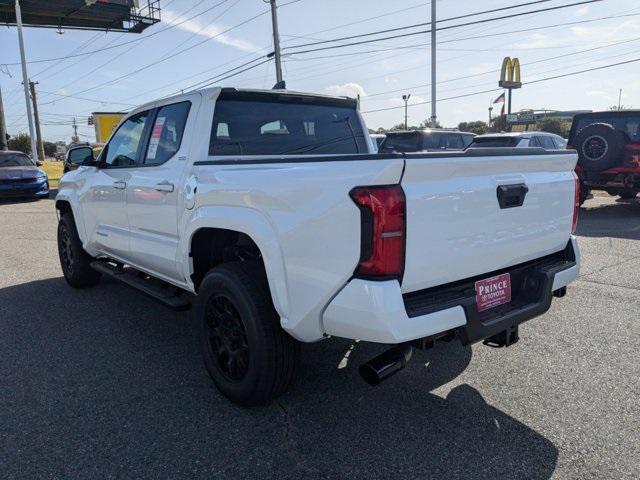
{"x":500,"y":99}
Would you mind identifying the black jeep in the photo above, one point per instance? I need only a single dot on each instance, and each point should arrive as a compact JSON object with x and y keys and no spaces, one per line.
{"x":608,"y":145}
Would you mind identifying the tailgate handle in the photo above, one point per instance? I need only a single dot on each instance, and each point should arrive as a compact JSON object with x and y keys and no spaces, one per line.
{"x":510,"y":196}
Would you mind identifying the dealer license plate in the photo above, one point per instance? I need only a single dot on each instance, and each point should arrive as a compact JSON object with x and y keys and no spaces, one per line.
{"x":493,"y":291}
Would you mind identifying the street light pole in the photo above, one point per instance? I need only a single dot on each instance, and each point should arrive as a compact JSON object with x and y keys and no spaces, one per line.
{"x":406,"y":101}
{"x":25,"y":82}
{"x":3,"y":126}
{"x":433,"y":64}
{"x":276,"y":39}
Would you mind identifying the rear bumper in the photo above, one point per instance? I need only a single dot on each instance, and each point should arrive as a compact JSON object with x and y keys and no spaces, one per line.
{"x":379,"y":312}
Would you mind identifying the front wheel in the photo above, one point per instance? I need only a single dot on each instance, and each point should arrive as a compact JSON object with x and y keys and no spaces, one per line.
{"x":248,"y":355}
{"x":75,"y":262}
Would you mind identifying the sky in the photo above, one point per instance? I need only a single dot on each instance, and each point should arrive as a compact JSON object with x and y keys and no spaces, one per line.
{"x":201,"y":44}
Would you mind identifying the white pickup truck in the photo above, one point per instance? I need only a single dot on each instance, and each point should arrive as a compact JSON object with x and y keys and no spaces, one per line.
{"x":268,"y":212}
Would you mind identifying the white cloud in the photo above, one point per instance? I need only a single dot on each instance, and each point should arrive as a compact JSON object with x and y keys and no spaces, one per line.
{"x":581,"y":12}
{"x":212,"y":31}
{"x":350,"y":89}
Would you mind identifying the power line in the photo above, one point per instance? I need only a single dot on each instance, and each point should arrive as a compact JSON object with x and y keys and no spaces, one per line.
{"x":476,"y":22}
{"x":579,"y":72}
{"x":91,"y":52}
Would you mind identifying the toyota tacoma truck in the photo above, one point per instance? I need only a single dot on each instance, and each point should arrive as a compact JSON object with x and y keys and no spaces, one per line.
{"x":270,"y":215}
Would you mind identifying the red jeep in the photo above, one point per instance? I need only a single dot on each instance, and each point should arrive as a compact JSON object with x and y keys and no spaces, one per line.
{"x":608,"y":145}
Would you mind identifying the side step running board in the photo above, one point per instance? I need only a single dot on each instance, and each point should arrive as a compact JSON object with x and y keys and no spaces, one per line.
{"x":168,"y":295}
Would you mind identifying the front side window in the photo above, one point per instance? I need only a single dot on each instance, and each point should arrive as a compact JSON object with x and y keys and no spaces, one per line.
{"x":288,"y":126}
{"x":167,"y":132}
{"x":122,"y":150}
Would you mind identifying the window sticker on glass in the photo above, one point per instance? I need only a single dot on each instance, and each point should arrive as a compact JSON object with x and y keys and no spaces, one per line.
{"x":155,"y":137}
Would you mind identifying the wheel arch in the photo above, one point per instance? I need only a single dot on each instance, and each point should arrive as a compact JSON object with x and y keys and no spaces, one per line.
{"x":65,"y":204}
{"x":217,"y":229}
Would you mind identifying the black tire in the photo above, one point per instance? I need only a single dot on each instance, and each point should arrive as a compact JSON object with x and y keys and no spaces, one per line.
{"x":627,"y":194}
{"x":600,"y":147}
{"x":75,"y":262}
{"x":250,"y":358}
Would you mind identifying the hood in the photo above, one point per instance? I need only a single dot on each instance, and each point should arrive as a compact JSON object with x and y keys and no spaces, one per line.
{"x":14,"y":173}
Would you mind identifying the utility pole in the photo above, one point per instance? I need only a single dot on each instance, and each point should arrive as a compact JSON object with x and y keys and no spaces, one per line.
{"x":433,"y":64}
{"x":276,"y":39}
{"x":620,"y":100}
{"x":25,"y":81}
{"x":39,"y":144}
{"x":406,"y":101}
{"x":75,"y":131}
{"x":490,"y":110}
{"x":3,"y":127}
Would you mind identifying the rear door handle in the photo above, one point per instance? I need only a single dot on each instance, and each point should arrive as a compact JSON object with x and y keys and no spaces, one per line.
{"x":120,"y":184}
{"x":164,"y":187}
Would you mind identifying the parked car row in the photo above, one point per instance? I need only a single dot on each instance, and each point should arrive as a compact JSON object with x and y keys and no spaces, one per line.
{"x":607,"y":143}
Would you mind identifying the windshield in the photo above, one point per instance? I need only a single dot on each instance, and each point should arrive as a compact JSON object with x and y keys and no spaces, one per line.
{"x":267,"y":127}
{"x":628,"y":124}
{"x":15,"y":160}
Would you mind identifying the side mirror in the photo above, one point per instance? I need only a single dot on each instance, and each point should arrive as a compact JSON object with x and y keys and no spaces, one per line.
{"x":39,"y":163}
{"x":81,"y":156}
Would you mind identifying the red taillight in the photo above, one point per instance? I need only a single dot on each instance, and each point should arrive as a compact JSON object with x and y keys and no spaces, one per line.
{"x":576,"y":203}
{"x":383,"y":226}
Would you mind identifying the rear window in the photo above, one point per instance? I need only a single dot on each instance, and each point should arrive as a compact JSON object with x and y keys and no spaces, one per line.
{"x":402,"y":142}
{"x":489,"y":142}
{"x":285,"y":125}
{"x":628,"y":124}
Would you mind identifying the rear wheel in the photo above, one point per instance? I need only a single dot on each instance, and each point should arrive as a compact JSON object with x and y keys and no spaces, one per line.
{"x":248,"y":355}
{"x":75,"y":262}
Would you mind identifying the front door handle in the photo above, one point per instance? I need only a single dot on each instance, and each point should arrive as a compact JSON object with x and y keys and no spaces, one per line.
{"x":120,"y":184}
{"x":164,"y":187}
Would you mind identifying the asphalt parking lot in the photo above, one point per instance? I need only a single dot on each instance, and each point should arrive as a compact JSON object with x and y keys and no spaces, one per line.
{"x":105,"y":383}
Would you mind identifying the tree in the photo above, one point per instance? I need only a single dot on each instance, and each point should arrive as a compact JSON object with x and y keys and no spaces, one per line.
{"x":499,"y":124}
{"x":554,"y":125}
{"x":49,"y":149}
{"x":621,"y":107}
{"x":21,"y":143}
{"x":478,"y":127}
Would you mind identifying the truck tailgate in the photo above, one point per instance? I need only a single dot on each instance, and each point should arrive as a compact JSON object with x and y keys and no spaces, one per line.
{"x":456,"y":227}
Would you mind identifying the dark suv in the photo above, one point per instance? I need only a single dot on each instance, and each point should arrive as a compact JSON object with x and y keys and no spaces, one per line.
{"x":608,"y":145}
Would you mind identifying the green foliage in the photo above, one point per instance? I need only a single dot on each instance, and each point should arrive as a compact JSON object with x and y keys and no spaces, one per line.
{"x":554,"y":125}
{"x":478,"y":127}
{"x":499,"y":124}
{"x":21,"y":143}
{"x":49,"y":149}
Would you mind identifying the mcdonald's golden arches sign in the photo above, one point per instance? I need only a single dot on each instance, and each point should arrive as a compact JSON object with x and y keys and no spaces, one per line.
{"x":510,"y":73}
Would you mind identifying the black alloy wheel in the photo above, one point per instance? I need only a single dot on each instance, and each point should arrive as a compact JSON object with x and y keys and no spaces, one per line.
{"x":227,"y":338}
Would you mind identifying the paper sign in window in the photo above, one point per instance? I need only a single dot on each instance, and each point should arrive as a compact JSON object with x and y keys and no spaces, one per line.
{"x":156,"y":133}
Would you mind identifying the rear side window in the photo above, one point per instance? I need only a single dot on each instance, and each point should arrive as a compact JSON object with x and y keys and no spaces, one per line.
{"x":490,"y":142}
{"x":286,"y":127}
{"x":402,"y":142}
{"x":547,"y":142}
{"x":167,"y":132}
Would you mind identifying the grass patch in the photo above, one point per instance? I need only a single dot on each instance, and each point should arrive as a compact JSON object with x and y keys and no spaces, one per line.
{"x":54,"y":171}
